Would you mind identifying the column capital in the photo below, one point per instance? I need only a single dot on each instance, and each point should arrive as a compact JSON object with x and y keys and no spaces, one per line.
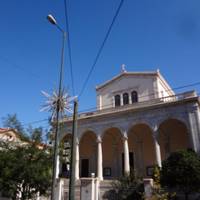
{"x":155,"y":128}
{"x":124,"y":131}
{"x":125,"y":138}
{"x":155,"y":135}
{"x":155,"y":131}
{"x":77,"y":141}
{"x":99,"y":140}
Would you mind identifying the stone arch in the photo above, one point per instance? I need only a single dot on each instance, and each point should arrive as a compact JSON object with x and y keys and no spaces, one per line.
{"x":173,"y":135}
{"x":64,"y":136}
{"x":141,"y":145}
{"x":85,"y":131}
{"x":147,"y":122}
{"x":88,"y":153}
{"x":118,"y":128}
{"x":112,"y":148}
{"x":64,"y":131}
{"x":178,"y":118}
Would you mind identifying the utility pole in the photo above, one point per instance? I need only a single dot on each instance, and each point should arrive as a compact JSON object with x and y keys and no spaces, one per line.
{"x":52,"y":20}
{"x":73,"y":153}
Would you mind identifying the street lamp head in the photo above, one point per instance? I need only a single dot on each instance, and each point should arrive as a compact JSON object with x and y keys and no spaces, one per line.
{"x":51,"y":19}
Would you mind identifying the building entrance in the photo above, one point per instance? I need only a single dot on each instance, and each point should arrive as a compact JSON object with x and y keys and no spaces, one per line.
{"x":84,"y":167}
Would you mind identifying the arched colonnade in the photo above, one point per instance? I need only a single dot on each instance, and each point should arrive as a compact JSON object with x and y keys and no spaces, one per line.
{"x":111,"y":152}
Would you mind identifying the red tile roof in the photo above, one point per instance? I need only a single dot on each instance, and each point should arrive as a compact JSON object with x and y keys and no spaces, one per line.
{"x":2,"y":130}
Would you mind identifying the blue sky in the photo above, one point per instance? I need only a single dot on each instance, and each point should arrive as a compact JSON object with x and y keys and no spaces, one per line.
{"x":148,"y":34}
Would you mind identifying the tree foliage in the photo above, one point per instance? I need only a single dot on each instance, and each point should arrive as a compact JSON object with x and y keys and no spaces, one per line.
{"x":158,"y":192}
{"x":127,"y":187}
{"x":25,"y":169}
{"x":182,"y":171}
{"x":11,"y":121}
{"x":26,"y":166}
{"x":37,"y":135}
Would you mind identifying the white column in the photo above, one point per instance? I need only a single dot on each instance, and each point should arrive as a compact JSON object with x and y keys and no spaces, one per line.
{"x":121,"y":100}
{"x":97,"y":190}
{"x":113,"y":101}
{"x":126,"y":156}
{"x":92,"y":187}
{"x":130,"y":99}
{"x":77,"y":161}
{"x":57,"y":171}
{"x":99,"y":159}
{"x":157,"y":151}
{"x":194,"y":121}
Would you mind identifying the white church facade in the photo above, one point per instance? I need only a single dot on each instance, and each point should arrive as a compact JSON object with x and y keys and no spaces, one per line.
{"x":139,"y":121}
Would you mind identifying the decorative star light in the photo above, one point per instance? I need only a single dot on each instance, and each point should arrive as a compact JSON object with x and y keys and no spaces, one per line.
{"x":52,"y":102}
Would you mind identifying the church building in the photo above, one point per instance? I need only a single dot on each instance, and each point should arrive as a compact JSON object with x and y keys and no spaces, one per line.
{"x":138,"y":122}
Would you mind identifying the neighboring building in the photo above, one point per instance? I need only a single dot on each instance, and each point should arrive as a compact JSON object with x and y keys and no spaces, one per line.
{"x":9,"y":135}
{"x":12,"y":137}
{"x":139,"y":121}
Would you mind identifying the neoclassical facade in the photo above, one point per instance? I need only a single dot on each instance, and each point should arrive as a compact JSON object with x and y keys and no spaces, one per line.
{"x":139,"y":121}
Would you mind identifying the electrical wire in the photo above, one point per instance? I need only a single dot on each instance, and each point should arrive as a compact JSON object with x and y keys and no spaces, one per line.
{"x":34,"y":122}
{"x":69,"y":46}
{"x":101,"y":48}
{"x":19,"y":67}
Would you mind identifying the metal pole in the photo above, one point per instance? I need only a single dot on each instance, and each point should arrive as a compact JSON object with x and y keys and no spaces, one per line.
{"x":73,"y":154}
{"x":57,"y":128}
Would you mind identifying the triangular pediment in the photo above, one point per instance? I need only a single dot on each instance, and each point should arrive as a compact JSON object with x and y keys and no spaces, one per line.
{"x":125,"y":75}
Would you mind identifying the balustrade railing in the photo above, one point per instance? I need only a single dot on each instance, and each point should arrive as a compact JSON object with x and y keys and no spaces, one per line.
{"x":139,"y":104}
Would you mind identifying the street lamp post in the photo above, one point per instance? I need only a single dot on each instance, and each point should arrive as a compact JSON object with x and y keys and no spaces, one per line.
{"x":52,"y":20}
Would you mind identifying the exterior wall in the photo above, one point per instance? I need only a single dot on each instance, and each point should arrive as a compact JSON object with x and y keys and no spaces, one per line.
{"x":147,"y":85}
{"x":144,"y":85}
{"x":163,"y":89}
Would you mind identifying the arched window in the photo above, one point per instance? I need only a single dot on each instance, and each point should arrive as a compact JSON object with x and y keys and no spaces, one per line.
{"x":134,"y":96}
{"x":125,"y":99}
{"x":117,"y":100}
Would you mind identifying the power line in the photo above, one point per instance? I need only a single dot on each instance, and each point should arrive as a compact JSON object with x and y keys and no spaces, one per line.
{"x":24,"y":126}
{"x":17,"y":66}
{"x":101,"y":48}
{"x":69,"y":47}
{"x":34,"y":122}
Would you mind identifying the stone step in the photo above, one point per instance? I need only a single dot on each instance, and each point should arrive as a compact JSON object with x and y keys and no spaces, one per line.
{"x":106,"y":183}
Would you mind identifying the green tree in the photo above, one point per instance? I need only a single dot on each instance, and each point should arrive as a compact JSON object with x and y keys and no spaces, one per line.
{"x":35,"y":134}
{"x":159,"y":193}
{"x":11,"y":121}
{"x":181,"y":171}
{"x":25,"y":169}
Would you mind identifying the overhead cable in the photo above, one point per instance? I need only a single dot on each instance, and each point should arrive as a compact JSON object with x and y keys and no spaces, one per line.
{"x":101,"y":48}
{"x":69,"y":46}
